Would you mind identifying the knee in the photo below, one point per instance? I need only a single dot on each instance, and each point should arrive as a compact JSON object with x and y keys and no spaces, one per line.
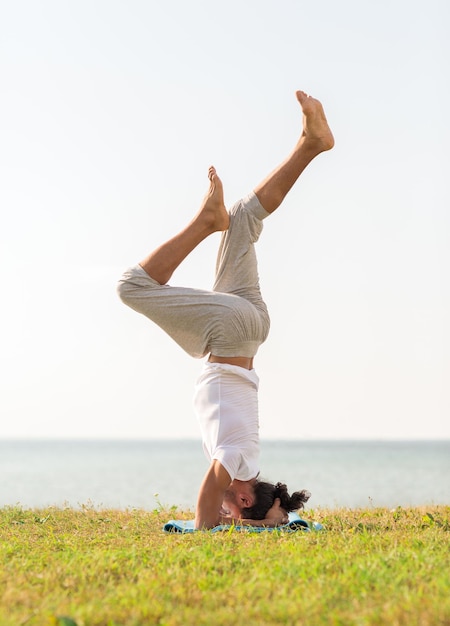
{"x":128,"y":286}
{"x":135,"y":285}
{"x":124,"y":290}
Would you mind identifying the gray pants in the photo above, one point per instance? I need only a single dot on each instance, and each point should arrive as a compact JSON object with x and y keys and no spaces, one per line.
{"x":231,"y":320}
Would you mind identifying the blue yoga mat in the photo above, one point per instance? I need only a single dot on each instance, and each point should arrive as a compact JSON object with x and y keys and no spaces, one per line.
{"x":295,"y":523}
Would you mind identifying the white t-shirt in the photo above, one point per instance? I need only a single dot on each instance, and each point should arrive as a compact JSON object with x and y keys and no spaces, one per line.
{"x":226,"y":404}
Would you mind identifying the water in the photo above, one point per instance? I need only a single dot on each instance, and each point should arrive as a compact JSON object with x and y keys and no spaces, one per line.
{"x":128,"y":474}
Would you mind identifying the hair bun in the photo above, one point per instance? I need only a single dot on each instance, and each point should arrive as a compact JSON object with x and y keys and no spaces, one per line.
{"x":290,"y":503}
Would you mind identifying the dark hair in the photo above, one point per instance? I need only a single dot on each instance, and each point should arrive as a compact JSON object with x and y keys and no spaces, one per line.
{"x":266,"y":493}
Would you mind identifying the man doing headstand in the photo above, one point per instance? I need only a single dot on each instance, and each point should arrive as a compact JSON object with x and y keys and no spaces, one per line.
{"x":228,"y":323}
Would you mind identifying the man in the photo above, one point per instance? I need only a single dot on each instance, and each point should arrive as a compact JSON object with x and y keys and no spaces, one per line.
{"x":228,"y":324}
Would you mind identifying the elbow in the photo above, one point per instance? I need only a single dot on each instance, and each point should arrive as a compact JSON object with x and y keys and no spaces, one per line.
{"x":201,"y":524}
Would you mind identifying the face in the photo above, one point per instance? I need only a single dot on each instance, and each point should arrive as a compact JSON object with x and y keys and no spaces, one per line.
{"x":230,"y":506}
{"x":238,"y":496}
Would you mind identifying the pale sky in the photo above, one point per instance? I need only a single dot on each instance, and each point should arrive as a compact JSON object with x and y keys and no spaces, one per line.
{"x":111,"y":113}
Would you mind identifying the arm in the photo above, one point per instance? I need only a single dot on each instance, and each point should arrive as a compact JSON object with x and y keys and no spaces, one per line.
{"x":210,"y":496}
{"x":275,"y":516}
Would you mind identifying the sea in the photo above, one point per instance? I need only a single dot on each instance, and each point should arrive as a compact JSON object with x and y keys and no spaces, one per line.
{"x":151,"y":475}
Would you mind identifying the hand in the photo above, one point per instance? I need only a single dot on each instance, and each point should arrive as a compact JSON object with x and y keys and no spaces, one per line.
{"x":276,"y":515}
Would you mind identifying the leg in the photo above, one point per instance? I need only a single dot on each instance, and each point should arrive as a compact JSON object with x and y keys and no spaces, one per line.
{"x":237,"y":274}
{"x":236,"y":265}
{"x":200,"y":321}
{"x":212,"y":217}
{"x":316,"y":138}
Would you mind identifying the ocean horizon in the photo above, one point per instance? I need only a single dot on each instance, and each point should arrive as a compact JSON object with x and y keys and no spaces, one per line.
{"x":149,"y":474}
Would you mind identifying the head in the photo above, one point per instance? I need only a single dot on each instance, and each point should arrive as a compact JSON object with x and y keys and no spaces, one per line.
{"x":240,"y":495}
{"x":264,"y":495}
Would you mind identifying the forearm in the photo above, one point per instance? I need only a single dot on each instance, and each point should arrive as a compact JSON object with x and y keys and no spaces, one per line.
{"x":275,"y":516}
{"x":268,"y":523}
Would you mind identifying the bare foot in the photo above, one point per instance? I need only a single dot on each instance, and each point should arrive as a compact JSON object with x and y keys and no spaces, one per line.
{"x":316,"y":131}
{"x":213,"y":207}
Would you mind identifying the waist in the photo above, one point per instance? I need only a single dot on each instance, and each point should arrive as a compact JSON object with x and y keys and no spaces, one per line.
{"x":240,"y":361}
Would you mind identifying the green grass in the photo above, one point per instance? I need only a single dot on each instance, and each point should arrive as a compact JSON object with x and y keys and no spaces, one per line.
{"x":111,"y":568}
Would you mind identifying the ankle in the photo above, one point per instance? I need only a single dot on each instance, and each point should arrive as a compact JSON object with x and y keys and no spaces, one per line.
{"x":309,"y":147}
